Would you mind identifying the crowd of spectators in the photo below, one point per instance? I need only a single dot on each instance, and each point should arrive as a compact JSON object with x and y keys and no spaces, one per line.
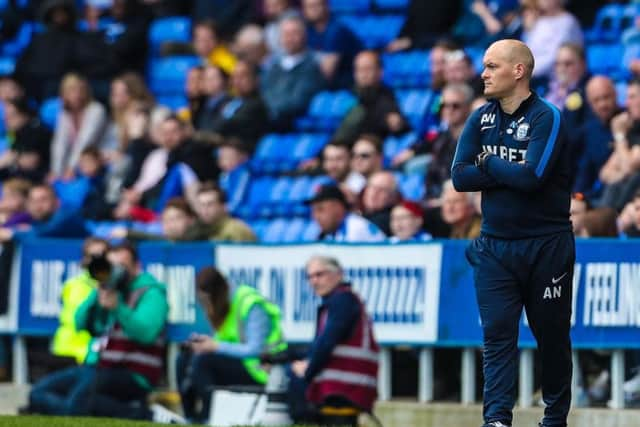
{"x":114,"y":153}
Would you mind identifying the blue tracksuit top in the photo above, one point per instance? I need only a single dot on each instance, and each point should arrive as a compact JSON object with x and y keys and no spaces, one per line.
{"x":526,"y":186}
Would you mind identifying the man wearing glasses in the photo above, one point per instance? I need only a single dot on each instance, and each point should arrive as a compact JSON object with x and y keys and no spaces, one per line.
{"x":437,"y":149}
{"x":341,"y":367}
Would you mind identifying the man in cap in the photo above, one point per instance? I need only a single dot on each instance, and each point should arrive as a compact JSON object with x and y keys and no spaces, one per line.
{"x":330,"y":210}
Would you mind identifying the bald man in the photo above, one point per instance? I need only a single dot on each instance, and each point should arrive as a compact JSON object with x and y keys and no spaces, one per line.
{"x":595,"y":135}
{"x":513,"y":150}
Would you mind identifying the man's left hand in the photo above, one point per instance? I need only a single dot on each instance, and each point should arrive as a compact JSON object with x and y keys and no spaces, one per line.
{"x":108,"y":299}
{"x":481,"y":160}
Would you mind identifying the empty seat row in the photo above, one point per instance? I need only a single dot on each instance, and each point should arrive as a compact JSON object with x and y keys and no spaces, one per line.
{"x":611,"y":21}
{"x":281,"y":153}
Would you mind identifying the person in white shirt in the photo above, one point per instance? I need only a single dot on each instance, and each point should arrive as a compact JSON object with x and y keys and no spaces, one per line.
{"x":330,"y":211}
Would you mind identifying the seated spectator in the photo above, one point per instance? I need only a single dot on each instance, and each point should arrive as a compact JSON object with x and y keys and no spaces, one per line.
{"x":28,"y":153}
{"x":37,"y":70}
{"x":129,"y":93}
{"x":120,"y":45}
{"x":208,"y":46}
{"x":132,"y":314}
{"x":459,"y":69}
{"x":62,"y":392}
{"x":436,"y":150}
{"x":177,"y":220}
{"x":459,"y":213}
{"x":334,"y":372}
{"x":229,"y":16}
{"x":293,"y":78}
{"x":245,"y":116}
{"x":247,"y":325}
{"x":250,"y":45}
{"x":630,"y":226}
{"x":367,"y":155}
{"x":214,"y":222}
{"x":333,"y":42}
{"x":379,"y":197}
{"x":213,"y":89}
{"x":10,"y":88}
{"x":599,"y":222}
{"x":13,"y":203}
{"x":484,"y":22}
{"x":437,"y":62}
{"x":80,"y":124}
{"x":621,"y":172}
{"x":276,"y":11}
{"x":596,"y":136}
{"x":426,"y":23}
{"x":578,"y":208}
{"x":336,"y":163}
{"x":546,"y":28}
{"x":93,"y":173}
{"x":567,"y":85}
{"x":407,"y":221}
{"x":49,"y":218}
{"x":330,"y":211}
{"x":235,"y":176}
{"x":193,"y":93}
{"x":377,"y":110}
{"x":187,"y":163}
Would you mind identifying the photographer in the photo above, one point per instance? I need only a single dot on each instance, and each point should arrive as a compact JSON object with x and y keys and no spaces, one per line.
{"x":246,"y":324}
{"x":128,"y":312}
{"x":62,"y":392}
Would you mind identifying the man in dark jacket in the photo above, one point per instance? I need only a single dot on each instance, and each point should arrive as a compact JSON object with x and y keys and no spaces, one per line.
{"x":50,"y":54}
{"x":29,"y":140}
{"x":377,"y":111}
{"x":293,"y":78}
{"x":343,"y":331}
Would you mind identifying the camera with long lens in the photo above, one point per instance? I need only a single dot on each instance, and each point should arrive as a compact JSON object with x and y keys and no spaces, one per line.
{"x":108,"y":276}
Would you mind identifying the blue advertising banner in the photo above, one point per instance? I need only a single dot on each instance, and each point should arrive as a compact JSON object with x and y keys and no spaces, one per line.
{"x":419,"y":294}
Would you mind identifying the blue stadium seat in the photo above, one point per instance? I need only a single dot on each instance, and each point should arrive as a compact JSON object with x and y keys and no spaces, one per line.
{"x":407,"y":69}
{"x":273,"y":154}
{"x":395,"y":5}
{"x":414,"y":104}
{"x":167,"y":76}
{"x":275,"y":231}
{"x":16,"y":45}
{"x":307,"y":146}
{"x":7,"y":65}
{"x":326,"y":110}
{"x":621,"y":92}
{"x":394,"y":144}
{"x":258,"y":226}
{"x":311,"y":232}
{"x":605,"y":59}
{"x":606,"y":26}
{"x":49,"y":111}
{"x":174,"y":29}
{"x":349,"y":6}
{"x":375,"y":31}
{"x":412,"y":186}
{"x":104,"y":229}
{"x":279,"y":196}
{"x":629,"y":15}
{"x":294,"y":231}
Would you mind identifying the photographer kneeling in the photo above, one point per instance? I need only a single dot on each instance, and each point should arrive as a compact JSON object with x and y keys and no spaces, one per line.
{"x":246,"y":325}
{"x":128,"y":312}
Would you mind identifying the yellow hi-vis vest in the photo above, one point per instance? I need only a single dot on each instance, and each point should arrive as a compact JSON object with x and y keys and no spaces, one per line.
{"x":68,"y":341}
{"x":244,"y":298}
